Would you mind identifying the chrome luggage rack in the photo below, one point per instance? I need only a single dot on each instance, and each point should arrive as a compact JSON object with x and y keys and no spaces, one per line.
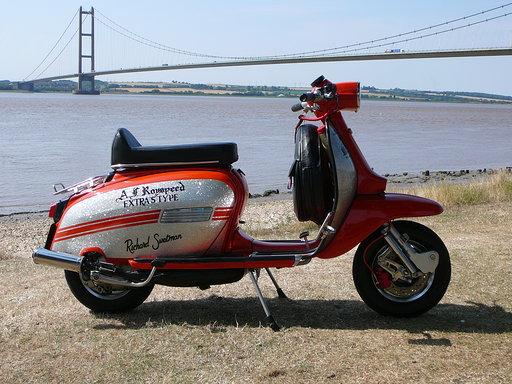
{"x":79,"y":187}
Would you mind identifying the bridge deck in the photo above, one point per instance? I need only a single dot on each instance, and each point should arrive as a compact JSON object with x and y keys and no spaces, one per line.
{"x":304,"y":59}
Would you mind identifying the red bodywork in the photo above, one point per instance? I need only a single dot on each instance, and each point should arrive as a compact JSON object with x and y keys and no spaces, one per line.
{"x":369,"y":212}
{"x":370,"y":209}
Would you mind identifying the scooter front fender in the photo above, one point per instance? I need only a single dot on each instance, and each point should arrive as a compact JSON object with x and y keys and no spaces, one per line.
{"x":369,"y":212}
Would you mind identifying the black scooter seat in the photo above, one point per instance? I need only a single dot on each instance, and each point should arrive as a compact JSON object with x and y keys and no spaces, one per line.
{"x":128,"y":152}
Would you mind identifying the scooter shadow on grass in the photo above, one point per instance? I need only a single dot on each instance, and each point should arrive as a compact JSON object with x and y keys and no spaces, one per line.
{"x":218,"y":313}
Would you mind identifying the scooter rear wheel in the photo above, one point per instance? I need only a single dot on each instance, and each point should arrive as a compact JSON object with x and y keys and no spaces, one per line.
{"x":106,"y":299}
{"x":403,"y":297}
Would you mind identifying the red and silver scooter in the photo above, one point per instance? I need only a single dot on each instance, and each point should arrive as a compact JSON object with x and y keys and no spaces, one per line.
{"x":170,"y":215}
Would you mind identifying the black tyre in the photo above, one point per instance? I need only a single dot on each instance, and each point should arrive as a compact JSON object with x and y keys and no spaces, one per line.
{"x":312,"y":189}
{"x":401,"y":297}
{"x":106,"y":299}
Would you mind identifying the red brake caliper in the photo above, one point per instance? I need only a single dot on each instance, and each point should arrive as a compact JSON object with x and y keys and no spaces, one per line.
{"x":383,"y":278}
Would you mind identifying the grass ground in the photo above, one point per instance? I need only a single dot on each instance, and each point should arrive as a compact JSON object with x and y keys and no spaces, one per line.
{"x":184,"y":335}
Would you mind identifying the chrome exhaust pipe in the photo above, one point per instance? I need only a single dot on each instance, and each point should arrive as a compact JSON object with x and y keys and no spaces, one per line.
{"x":74,"y":263}
{"x":101,"y":278}
{"x":57,"y":259}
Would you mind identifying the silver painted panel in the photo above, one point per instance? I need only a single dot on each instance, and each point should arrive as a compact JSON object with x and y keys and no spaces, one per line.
{"x":127,"y":222}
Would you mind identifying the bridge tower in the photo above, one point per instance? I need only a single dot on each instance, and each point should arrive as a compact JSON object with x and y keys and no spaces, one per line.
{"x":86,"y":82}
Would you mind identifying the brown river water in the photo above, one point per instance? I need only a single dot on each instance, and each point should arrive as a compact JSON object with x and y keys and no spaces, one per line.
{"x":64,"y":138}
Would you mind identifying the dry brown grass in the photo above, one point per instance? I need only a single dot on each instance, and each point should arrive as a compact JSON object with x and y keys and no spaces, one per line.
{"x":184,"y":335}
{"x":496,"y":188}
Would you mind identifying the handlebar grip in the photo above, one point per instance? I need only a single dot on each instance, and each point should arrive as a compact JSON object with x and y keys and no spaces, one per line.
{"x":297,"y":107}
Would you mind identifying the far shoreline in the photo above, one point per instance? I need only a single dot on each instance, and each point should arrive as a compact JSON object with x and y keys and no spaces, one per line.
{"x":184,"y":88}
{"x":203,"y":94}
{"x":405,"y":180}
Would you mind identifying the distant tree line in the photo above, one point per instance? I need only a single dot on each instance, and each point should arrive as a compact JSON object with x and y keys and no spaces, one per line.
{"x":437,"y":96}
{"x":191,"y":88}
{"x":5,"y":85}
{"x":184,"y":88}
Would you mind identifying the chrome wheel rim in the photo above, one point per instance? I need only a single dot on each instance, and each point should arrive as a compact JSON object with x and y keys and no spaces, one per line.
{"x":402,"y":291}
{"x":103,"y":292}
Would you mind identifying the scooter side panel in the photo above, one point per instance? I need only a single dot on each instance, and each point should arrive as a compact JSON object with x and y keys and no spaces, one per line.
{"x":368,"y":182}
{"x":143,"y":218}
{"x":369,"y":212}
{"x":345,"y":178}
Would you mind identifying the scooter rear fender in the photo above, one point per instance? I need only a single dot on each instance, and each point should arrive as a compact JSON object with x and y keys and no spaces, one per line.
{"x":369,"y":212}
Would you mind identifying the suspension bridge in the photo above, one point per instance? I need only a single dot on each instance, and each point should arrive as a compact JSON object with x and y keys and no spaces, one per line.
{"x":86,"y":30}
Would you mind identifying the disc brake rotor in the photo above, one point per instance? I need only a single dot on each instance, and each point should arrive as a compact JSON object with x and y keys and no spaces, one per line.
{"x":401,"y":288}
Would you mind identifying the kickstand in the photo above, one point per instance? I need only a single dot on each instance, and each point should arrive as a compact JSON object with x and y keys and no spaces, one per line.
{"x":270,"y":319}
{"x":280,"y":292}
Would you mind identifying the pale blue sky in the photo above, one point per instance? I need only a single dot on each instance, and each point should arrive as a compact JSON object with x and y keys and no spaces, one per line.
{"x":28,"y":30}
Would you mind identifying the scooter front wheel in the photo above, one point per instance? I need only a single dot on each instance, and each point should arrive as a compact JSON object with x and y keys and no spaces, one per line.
{"x":106,"y":299}
{"x":400,"y":296}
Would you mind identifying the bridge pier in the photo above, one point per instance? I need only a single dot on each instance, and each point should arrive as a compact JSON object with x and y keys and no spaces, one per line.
{"x":85,"y":82}
{"x":86,"y":86}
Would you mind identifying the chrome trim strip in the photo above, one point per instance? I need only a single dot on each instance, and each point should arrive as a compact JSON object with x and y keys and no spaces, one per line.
{"x":145,"y":165}
{"x":186,"y":215}
{"x":345,"y":179}
{"x":345,"y":176}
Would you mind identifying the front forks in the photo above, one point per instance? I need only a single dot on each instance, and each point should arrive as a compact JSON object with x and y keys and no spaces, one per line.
{"x":416,"y":263}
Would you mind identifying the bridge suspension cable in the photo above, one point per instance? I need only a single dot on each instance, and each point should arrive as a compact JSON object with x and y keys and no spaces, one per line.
{"x":384,"y":41}
{"x":54,"y":46}
{"x":60,"y":53}
{"x":419,"y":37}
{"x":140,"y":39}
{"x":333,"y":50}
{"x":321,"y":54}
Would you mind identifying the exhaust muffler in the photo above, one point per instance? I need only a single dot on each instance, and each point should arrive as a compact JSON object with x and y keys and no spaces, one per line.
{"x":74,"y":263}
{"x":57,"y":259}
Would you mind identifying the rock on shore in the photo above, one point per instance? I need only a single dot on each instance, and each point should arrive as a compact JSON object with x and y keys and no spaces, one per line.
{"x":436,"y":177}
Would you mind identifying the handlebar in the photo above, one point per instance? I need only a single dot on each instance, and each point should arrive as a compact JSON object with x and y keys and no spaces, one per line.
{"x":327,"y":92}
{"x":327,"y":96}
{"x":298,"y":107}
{"x":308,"y":98}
